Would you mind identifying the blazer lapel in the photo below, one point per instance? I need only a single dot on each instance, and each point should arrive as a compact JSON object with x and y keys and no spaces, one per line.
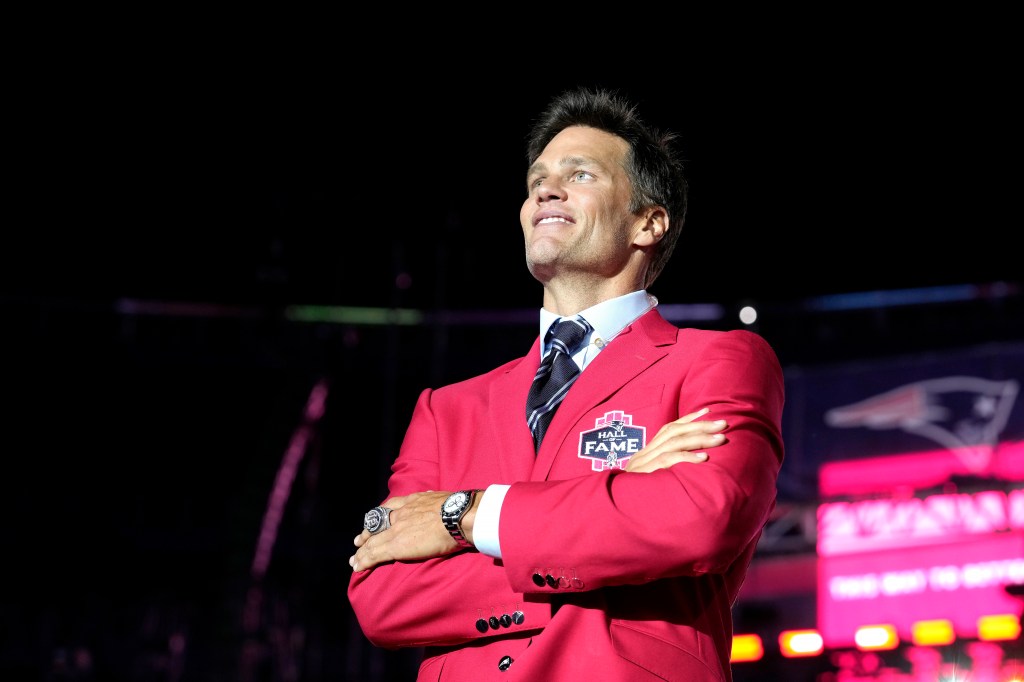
{"x":513,"y":442}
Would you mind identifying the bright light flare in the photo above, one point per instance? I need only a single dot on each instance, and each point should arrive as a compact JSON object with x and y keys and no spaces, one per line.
{"x":933,"y":632}
{"x":746,"y":648}
{"x":876,"y":638}
{"x":800,"y":643}
{"x":999,"y":628}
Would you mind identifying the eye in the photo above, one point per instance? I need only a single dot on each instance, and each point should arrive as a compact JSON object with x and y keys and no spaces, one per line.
{"x":581,"y":175}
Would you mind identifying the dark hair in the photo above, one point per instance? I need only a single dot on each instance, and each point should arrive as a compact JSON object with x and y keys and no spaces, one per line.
{"x":654,"y":170}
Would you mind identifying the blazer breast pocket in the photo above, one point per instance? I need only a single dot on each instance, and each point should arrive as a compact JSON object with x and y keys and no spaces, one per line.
{"x":637,"y":396}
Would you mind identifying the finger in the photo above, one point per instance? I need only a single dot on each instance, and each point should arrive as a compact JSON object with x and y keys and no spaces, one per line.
{"x":712,"y":425}
{"x":695,"y":436}
{"x":681,"y":426}
{"x":692,"y":442}
{"x":360,"y":563}
{"x":685,"y":425}
{"x":678,"y":439}
{"x":686,"y":418}
{"x":368,"y":556}
{"x":362,"y":538}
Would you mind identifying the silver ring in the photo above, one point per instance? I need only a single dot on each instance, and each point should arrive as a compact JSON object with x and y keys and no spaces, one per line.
{"x":377,"y":519}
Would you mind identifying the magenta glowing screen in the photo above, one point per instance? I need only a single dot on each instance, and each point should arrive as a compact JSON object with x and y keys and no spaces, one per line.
{"x":907,"y":545}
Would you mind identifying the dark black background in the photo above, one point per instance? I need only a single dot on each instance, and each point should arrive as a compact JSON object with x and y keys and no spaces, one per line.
{"x":257,"y":169}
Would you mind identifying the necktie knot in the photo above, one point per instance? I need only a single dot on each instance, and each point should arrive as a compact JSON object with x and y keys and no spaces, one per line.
{"x":567,"y":334}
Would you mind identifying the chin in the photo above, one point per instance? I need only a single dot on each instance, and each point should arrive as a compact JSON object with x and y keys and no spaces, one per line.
{"x":544,"y":251}
{"x":540,"y":270}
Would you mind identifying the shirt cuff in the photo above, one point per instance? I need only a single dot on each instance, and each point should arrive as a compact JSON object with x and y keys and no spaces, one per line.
{"x":485,"y":525}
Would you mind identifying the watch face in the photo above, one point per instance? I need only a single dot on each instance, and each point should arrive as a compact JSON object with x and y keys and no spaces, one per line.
{"x":454,"y":502}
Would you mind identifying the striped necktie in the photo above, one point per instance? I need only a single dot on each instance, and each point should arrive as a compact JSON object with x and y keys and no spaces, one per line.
{"x":556,"y":374}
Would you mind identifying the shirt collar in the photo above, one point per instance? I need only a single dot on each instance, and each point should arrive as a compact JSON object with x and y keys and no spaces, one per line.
{"x":607,"y":318}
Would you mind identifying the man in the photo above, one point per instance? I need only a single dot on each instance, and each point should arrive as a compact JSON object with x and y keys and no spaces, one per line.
{"x":615,"y":548}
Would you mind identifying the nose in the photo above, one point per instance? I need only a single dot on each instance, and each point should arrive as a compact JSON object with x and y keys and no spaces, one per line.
{"x":549,"y":188}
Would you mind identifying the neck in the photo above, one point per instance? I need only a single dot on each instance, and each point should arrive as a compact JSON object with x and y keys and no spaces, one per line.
{"x":569,"y":298}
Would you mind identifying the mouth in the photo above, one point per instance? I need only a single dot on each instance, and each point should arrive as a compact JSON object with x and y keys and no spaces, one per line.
{"x":553,"y":220}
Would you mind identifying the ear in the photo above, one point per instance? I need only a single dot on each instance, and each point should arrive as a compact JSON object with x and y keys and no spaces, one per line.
{"x":652,"y":228}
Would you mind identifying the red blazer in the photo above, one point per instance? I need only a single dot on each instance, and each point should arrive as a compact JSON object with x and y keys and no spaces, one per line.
{"x":645,"y":567}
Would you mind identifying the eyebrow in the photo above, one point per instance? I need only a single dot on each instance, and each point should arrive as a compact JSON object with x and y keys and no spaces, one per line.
{"x":563,"y":162}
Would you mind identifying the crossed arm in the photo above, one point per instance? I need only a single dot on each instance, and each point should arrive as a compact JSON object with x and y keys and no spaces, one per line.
{"x":416,"y":530}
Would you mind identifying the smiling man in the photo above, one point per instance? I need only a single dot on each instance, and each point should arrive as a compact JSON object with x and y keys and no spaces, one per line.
{"x":587,"y":511}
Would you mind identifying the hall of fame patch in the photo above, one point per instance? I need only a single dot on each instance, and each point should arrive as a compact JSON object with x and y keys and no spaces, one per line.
{"x":612,"y":441}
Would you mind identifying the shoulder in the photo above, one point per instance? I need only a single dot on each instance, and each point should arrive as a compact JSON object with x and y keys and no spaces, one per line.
{"x":661,"y":330}
{"x":692,"y":340}
{"x":480,"y":382}
{"x":735,"y":346}
{"x":740,"y":338}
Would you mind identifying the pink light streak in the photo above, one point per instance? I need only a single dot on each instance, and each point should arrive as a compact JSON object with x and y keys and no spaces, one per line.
{"x":281,"y":490}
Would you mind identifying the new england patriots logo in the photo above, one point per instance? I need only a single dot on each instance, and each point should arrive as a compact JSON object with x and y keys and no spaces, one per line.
{"x":612,"y":441}
{"x":964,"y":414}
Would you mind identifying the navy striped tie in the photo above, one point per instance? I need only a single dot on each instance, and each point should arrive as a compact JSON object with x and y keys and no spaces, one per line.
{"x":556,"y":374}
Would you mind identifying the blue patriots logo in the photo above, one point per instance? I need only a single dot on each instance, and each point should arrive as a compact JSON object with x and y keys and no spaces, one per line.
{"x":961,"y":413}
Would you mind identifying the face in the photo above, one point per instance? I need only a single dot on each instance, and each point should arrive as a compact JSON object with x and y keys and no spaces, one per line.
{"x":576,"y":216}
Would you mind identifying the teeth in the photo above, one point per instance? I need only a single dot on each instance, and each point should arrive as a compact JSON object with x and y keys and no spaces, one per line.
{"x":552,"y":220}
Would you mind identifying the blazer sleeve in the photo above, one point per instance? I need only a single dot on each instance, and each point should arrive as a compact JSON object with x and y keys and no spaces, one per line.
{"x":619,"y":527}
{"x":433,"y":602}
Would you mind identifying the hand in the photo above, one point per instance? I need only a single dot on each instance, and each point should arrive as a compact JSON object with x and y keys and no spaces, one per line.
{"x":416,"y":532}
{"x":680,"y":441}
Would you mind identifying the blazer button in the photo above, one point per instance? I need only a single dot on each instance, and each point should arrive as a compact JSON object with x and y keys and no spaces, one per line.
{"x":493,"y":621}
{"x":506,"y":620}
{"x":551,"y":580}
{"x":538,"y":580}
{"x":505,"y":663}
{"x":481,"y":625}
